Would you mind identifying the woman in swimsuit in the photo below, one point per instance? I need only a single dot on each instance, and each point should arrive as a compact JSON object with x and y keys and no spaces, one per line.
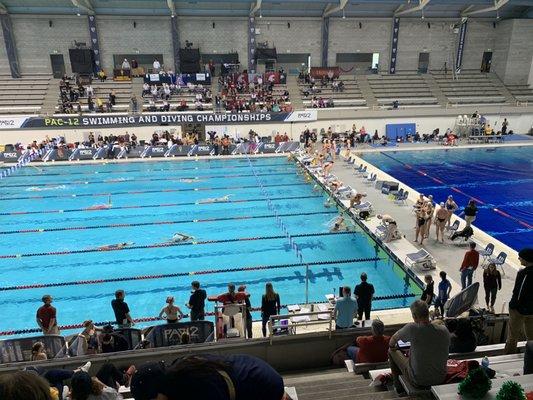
{"x":420,"y":224}
{"x":440,"y":221}
{"x":429,"y":216}
{"x":171,"y":312}
{"x":451,"y":207}
{"x":328,"y":162}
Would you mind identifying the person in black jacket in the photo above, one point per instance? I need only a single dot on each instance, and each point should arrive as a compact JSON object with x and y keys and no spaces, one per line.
{"x":270,"y":305}
{"x":521,"y":304}
{"x":492,"y":282}
{"x":197,"y":302}
{"x":364,"y":292}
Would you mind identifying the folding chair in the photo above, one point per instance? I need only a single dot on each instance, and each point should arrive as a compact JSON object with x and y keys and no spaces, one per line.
{"x":453,"y":228}
{"x":486,"y":253}
{"x":421,"y":259}
{"x":499,"y":261}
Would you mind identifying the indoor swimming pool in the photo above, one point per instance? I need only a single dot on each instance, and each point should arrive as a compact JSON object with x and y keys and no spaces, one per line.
{"x":57,"y":220}
{"x":499,"y":179}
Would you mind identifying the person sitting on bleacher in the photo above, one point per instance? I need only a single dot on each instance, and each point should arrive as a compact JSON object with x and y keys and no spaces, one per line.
{"x":429,"y":351}
{"x":462,"y":339}
{"x":370,"y":349}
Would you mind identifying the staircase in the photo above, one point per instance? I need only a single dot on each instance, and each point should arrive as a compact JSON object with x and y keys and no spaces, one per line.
{"x":366,"y":90}
{"x":435,"y":89}
{"x":504,"y":90}
{"x":335,"y":385}
{"x":51,"y":98}
{"x":294,"y":92}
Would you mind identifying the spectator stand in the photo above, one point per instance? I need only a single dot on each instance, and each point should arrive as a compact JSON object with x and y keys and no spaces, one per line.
{"x":408,"y":89}
{"x":24,"y":95}
{"x":241,"y":92}
{"x":326,"y":88}
{"x":79,"y":100}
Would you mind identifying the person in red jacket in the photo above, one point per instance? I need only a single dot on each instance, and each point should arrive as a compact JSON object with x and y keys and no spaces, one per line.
{"x":371,"y":349}
{"x":469,"y":265}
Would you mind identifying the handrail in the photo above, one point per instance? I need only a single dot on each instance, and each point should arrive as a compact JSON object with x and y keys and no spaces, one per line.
{"x":272,"y":326}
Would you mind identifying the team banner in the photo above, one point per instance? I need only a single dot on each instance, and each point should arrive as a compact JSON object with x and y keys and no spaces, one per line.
{"x":103,"y":120}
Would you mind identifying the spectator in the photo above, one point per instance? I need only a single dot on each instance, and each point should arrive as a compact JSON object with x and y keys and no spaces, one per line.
{"x":444,"y":289}
{"x":157,"y":66}
{"x":121,"y":310}
{"x":134,"y":104}
{"x":505,"y":124}
{"x":47,"y":317}
{"x":469,"y":265}
{"x":23,"y":385}
{"x":197,"y":302}
{"x":231,"y":296}
{"x":209,"y":377}
{"x":521,"y":304}
{"x":126,"y":64}
{"x":370,"y":349}
{"x":86,"y":388}
{"x":171,"y":312}
{"x":470,"y":212}
{"x":492,"y":282}
{"x":37,"y":352}
{"x":249,"y":331}
{"x":345,"y":309}
{"x":429,"y":291}
{"x":102,"y":75}
{"x":113,"y":97}
{"x":462,"y":338}
{"x":87,"y":340}
{"x":270,"y":305}
{"x":364,"y":292}
{"x":111,"y":342}
{"x":428,"y":355}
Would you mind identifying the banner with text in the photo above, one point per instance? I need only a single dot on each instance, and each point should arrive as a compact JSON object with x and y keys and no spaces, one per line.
{"x":114,"y":121}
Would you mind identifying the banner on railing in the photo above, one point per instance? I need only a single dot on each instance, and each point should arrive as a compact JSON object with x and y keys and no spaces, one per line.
{"x":103,"y":120}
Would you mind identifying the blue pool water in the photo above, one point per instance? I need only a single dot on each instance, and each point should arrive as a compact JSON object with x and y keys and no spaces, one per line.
{"x":501,"y":179}
{"x":155,"y":200}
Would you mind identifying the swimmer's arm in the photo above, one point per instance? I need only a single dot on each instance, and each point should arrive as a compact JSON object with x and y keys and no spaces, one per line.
{"x":161,"y":313}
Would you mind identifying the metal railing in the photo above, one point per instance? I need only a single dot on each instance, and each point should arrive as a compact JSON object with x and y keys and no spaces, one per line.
{"x":288,"y":323}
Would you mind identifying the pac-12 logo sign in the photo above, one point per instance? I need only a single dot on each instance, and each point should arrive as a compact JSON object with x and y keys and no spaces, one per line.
{"x":86,"y":153}
{"x":11,"y":155}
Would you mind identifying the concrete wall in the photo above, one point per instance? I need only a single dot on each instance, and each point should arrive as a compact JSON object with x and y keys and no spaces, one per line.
{"x":374,"y":36}
{"x":510,"y":40}
{"x":229,"y":35}
{"x":4,"y":63}
{"x":501,"y":48}
{"x":36,"y":40}
{"x":303,"y":36}
{"x":520,"y":52}
{"x":118,"y":36}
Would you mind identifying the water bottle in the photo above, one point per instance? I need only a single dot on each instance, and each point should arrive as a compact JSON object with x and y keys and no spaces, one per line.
{"x":485,"y":362}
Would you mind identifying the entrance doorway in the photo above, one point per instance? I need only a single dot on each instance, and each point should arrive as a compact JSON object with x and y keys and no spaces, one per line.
{"x":196,"y":129}
{"x":486,"y":61}
{"x":423,"y":63}
{"x":58,"y":65}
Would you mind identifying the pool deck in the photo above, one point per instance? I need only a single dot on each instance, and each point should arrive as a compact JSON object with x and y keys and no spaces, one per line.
{"x":448,"y":255}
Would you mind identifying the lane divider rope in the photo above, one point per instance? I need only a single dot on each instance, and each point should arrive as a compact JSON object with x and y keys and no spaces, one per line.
{"x":161,"y":245}
{"x":143,"y":170}
{"x":150,"y":206}
{"x":182,"y":274}
{"x":136,"y":192}
{"x":147,"y":179}
{"x":153,"y":319}
{"x":174,"y":222}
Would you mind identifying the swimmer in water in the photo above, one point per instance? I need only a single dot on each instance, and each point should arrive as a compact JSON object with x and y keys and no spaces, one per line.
{"x":103,"y":206}
{"x":189,"y":180}
{"x":180,"y":237}
{"x":41,"y":189}
{"x":223,"y":199}
{"x":115,"y":246}
{"x":115,"y":180}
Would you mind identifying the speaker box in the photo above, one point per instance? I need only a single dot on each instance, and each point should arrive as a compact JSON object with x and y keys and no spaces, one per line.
{"x":82,"y":61}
